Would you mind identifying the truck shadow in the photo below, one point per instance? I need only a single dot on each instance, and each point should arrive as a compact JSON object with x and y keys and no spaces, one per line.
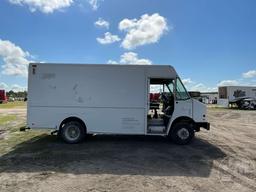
{"x":119,"y":155}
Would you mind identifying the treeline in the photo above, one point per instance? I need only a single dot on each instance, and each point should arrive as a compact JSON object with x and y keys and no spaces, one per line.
{"x":19,"y":94}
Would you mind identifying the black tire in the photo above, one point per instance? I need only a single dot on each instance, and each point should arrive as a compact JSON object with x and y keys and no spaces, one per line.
{"x":73,"y":132}
{"x":182,"y":133}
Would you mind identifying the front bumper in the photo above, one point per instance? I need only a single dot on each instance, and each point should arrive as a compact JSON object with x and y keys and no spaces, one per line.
{"x":204,"y":125}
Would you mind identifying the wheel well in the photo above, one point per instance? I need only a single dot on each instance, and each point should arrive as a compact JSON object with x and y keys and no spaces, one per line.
{"x":182,"y":119}
{"x":72,"y":119}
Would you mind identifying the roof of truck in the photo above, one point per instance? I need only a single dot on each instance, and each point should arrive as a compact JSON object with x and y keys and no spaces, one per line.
{"x":164,"y":71}
{"x":110,"y":65}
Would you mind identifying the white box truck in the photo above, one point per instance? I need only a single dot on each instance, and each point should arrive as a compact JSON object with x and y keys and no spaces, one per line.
{"x":80,"y":99}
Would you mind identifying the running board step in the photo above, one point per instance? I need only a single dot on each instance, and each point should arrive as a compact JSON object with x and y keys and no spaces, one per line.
{"x":156,"y":129}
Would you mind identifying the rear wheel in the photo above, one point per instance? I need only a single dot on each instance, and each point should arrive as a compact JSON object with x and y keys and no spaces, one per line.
{"x":182,"y":133}
{"x":73,"y":132}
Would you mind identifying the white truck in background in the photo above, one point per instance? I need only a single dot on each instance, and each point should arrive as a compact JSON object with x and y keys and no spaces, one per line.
{"x":79,"y":99}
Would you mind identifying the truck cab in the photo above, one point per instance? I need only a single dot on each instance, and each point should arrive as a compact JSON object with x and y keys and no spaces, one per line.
{"x":173,"y":112}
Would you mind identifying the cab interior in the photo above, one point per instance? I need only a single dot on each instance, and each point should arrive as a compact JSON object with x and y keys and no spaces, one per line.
{"x":161,"y":105}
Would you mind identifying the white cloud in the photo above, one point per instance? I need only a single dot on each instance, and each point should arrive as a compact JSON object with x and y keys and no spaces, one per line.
{"x":148,"y":29}
{"x":45,"y":6}
{"x":197,"y":86}
{"x":3,"y":85}
{"x":131,"y":58}
{"x":14,"y":58}
{"x":14,"y":87}
{"x":111,"y":62}
{"x":94,"y":4}
{"x":187,"y":81}
{"x":228,"y":83}
{"x":102,"y":23}
{"x":108,"y":38}
{"x":250,"y":74}
{"x":194,"y":86}
{"x":156,"y":88}
{"x":202,"y":88}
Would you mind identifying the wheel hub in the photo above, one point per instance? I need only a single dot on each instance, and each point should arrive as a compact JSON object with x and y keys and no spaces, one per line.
{"x":72,"y":132}
{"x":183,"y":133}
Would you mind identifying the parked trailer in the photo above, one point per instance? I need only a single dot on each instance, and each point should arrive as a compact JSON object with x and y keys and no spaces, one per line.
{"x":80,"y":99}
{"x":229,"y":94}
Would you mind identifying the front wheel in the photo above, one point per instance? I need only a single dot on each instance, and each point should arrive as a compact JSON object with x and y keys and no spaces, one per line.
{"x":73,"y":132}
{"x":182,"y":133}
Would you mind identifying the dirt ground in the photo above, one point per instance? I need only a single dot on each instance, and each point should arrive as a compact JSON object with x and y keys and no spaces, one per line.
{"x":222,"y":159}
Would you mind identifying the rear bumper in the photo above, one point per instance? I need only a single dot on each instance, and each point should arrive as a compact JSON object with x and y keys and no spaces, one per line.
{"x":204,"y":125}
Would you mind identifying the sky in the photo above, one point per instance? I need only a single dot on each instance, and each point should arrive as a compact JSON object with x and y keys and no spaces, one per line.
{"x":209,"y":42}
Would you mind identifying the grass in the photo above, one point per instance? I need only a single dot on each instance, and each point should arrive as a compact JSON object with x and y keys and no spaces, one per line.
{"x":13,"y":139}
{"x":7,"y":118}
{"x":13,"y":136}
{"x":19,"y":104}
{"x":10,"y":124}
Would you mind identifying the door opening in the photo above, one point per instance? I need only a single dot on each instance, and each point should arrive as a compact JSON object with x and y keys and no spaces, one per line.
{"x":161,"y":105}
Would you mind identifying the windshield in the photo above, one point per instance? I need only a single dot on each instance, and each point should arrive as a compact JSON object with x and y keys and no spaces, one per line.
{"x":181,"y":92}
